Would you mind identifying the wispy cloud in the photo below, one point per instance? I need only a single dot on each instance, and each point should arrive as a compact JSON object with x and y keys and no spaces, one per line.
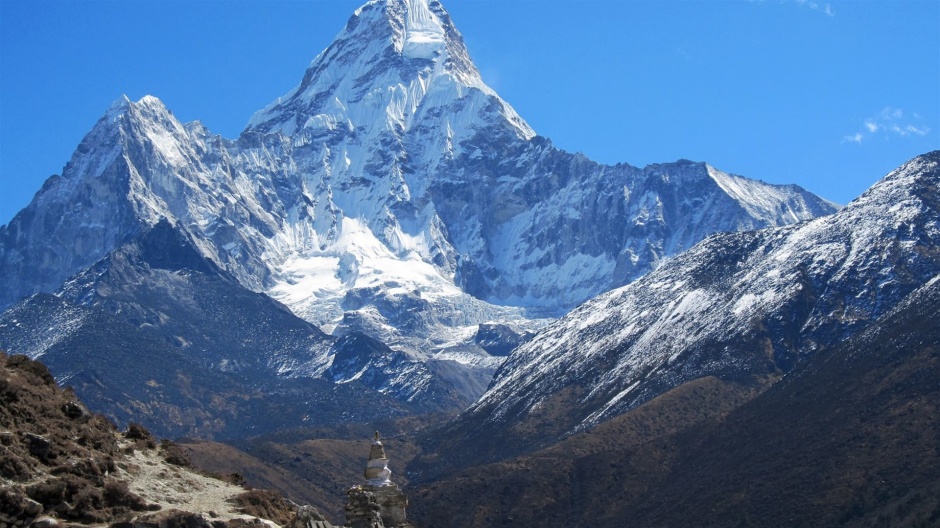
{"x":825,"y":8}
{"x":854,"y":138}
{"x":889,"y":122}
{"x":822,"y":7}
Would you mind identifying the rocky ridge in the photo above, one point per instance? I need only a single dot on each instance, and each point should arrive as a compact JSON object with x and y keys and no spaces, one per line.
{"x":745,"y":307}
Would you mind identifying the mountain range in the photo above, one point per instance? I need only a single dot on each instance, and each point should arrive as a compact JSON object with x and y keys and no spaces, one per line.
{"x":391,"y":200}
{"x":549,"y":340}
{"x":795,"y":411}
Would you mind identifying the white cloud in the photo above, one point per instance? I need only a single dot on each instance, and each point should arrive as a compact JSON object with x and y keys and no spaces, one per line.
{"x":891,"y":114}
{"x":907,"y":130}
{"x":889,"y":122}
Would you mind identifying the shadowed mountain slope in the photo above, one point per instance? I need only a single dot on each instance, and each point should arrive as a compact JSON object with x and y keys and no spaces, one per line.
{"x":157,"y":334}
{"x":848,"y":438}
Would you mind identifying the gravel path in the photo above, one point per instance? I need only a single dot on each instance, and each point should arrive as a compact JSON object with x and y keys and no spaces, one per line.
{"x":174,"y":487}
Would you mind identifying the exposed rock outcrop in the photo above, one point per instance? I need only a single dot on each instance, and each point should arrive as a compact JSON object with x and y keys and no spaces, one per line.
{"x":308,"y":517}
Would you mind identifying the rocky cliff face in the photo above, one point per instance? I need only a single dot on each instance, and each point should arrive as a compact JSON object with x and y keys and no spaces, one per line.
{"x":391,"y":193}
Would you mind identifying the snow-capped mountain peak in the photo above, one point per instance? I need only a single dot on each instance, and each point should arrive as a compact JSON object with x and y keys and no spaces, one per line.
{"x":394,"y":60}
{"x":764,"y":201}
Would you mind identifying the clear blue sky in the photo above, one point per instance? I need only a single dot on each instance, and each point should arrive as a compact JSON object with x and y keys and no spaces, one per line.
{"x":829,"y":95}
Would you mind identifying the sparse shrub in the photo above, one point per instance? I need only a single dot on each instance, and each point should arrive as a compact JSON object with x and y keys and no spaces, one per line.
{"x":85,"y":468}
{"x":265,"y":504}
{"x":115,"y":491}
{"x":93,"y":468}
{"x":71,"y":497}
{"x":13,"y":467}
{"x":14,"y":504}
{"x":118,"y":495}
{"x":97,"y":434}
{"x":106,"y":464}
{"x":8,"y":391}
{"x":141,"y":436}
{"x":232,"y":478}
{"x":87,"y":505}
{"x":37,"y":369}
{"x":49,"y":493}
{"x":173,"y":454}
{"x":173,"y":519}
{"x":73,"y":410}
{"x":135,"y":431}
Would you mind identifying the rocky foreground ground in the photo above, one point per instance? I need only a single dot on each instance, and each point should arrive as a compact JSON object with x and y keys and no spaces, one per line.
{"x":61,"y":465}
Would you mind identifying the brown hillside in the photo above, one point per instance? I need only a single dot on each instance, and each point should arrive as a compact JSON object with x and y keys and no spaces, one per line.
{"x":851,"y":438}
{"x":582,"y":475}
{"x":311,"y":466}
{"x":61,"y":463}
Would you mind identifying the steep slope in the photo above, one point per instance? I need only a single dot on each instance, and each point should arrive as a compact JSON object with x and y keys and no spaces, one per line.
{"x":391,"y":193}
{"x":848,"y":438}
{"x":745,"y":307}
{"x":155,"y":333}
{"x":862,"y":420}
{"x":59,"y":463}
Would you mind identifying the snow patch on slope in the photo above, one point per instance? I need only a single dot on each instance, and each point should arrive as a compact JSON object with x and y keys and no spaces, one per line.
{"x":424,"y":34}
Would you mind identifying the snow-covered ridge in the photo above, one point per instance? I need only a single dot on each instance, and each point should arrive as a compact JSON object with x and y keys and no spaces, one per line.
{"x":407,"y":31}
{"x":758,"y":197}
{"x":733,"y":304}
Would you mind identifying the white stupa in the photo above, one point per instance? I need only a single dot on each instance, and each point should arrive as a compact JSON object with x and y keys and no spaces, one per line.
{"x":378,"y":503}
{"x":377,"y":472}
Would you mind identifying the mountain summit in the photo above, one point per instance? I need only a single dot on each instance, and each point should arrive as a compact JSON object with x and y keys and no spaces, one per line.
{"x":394,"y":60}
{"x":391,"y":194}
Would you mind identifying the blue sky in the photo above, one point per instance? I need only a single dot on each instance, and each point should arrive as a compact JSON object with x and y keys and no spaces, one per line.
{"x":828,"y":95}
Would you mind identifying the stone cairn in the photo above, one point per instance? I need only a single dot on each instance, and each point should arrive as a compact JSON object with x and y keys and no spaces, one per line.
{"x":379,"y":503}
